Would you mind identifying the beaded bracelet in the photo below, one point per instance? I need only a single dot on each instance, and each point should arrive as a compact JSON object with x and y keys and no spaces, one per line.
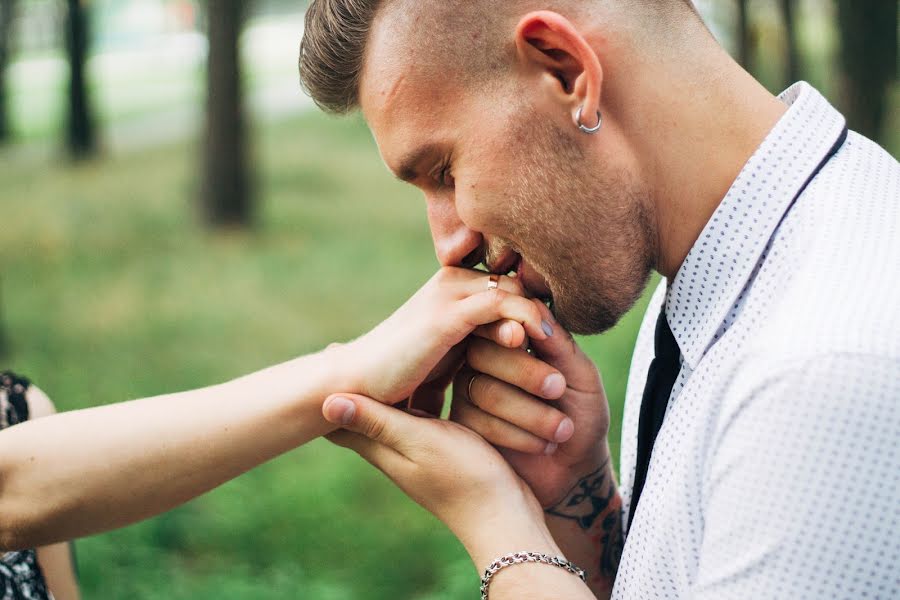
{"x":517,"y":558}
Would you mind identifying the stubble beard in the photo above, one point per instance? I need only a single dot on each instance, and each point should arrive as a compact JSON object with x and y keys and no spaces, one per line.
{"x":586,"y":233}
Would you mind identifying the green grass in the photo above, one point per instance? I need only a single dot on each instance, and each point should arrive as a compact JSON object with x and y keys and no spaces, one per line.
{"x":112,"y":290}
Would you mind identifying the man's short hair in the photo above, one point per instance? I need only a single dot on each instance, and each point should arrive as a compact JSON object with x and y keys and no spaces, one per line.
{"x":333,"y":48}
{"x":332,"y":51}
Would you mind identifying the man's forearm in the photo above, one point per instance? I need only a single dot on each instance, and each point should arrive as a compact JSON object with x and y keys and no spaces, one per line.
{"x":587,"y":525}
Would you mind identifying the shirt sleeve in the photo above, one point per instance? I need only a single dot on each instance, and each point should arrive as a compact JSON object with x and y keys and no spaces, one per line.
{"x":802,"y":487}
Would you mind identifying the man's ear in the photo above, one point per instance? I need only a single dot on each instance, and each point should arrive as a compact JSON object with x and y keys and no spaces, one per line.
{"x":548,"y":41}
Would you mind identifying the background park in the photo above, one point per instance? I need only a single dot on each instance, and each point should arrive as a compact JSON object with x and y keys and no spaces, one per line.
{"x":176,"y":213}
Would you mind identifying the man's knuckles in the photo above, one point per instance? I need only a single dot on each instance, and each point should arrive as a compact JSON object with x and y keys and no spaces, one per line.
{"x":506,"y":435}
{"x":485,"y":392}
{"x":374,"y":429}
{"x":517,"y":408}
{"x":516,"y":368}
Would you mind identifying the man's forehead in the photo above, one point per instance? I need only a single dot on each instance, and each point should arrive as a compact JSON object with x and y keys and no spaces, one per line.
{"x":387,"y":61}
{"x":404,"y":104}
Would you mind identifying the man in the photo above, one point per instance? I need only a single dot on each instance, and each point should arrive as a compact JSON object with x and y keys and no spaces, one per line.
{"x":584,"y":147}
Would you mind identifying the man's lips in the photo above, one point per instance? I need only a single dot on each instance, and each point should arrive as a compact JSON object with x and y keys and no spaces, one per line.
{"x":509,"y":262}
{"x":533,"y":283}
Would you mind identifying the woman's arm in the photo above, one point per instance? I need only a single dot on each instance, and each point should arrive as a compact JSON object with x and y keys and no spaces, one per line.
{"x":56,"y":560}
{"x":92,"y":470}
{"x":57,"y":563}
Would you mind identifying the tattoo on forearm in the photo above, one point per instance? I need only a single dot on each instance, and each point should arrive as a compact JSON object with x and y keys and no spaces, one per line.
{"x":595,"y":505}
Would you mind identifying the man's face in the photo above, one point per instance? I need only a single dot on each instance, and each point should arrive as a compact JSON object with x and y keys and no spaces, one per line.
{"x":509,"y":180}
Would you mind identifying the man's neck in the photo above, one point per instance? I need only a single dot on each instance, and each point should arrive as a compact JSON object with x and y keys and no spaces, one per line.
{"x":695,"y":132}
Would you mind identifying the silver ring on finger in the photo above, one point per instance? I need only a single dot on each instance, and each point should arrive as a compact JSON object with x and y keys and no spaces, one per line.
{"x":493,"y":282}
{"x":469,"y":387}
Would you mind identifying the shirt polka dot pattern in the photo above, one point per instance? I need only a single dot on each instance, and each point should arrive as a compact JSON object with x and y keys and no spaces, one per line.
{"x":776,"y":473}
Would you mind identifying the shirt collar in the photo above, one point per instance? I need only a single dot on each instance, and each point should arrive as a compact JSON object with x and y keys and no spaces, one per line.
{"x":722,"y":260}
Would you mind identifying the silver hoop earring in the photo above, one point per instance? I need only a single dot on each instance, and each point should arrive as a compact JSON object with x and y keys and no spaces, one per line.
{"x":584,"y":127}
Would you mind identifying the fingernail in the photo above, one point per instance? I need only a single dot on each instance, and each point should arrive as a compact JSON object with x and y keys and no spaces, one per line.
{"x":554,"y":386}
{"x":551,"y":448}
{"x":340,"y":410}
{"x":506,"y":333}
{"x":564,"y":431}
{"x":548,"y":328}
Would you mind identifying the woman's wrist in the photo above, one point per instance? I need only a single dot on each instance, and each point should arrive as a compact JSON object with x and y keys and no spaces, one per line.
{"x":343,"y":367}
{"x":296,"y":389}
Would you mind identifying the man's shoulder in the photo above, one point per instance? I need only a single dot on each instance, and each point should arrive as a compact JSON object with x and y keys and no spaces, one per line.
{"x":833,"y":263}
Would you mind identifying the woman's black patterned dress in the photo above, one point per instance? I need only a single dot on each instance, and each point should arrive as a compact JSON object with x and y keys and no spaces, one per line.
{"x":20,"y":575}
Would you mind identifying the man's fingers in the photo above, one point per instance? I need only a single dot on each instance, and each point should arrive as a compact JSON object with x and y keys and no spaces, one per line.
{"x":509,"y":403}
{"x":428,"y":399}
{"x":560,"y":350}
{"x":381,"y":457}
{"x":517,"y":368}
{"x":383,"y":424}
{"x":497,"y":431}
{"x":509,"y":334}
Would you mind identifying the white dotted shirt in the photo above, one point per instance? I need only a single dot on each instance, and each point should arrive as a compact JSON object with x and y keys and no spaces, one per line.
{"x":776,"y":473}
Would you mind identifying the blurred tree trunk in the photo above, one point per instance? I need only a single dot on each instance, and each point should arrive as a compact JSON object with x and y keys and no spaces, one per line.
{"x":794,"y":67}
{"x":226,"y":191}
{"x":7,"y":8}
{"x":81,"y":136}
{"x":868,"y":31}
{"x":744,"y":37}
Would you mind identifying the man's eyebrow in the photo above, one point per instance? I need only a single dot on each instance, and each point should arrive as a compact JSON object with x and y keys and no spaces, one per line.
{"x":408,"y":170}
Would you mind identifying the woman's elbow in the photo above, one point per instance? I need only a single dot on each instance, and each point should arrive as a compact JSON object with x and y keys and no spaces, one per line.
{"x":15,"y":518}
{"x":20,"y":512}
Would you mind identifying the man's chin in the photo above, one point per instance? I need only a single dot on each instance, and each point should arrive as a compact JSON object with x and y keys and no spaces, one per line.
{"x":587,"y":314}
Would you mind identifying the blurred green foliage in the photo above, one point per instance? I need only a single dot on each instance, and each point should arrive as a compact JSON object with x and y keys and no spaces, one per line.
{"x":112,"y":290}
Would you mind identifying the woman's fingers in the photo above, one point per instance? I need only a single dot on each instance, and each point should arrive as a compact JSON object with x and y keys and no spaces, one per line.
{"x":495,"y":305}
{"x":490,"y":306}
{"x":469,"y":282}
{"x":510,"y":334}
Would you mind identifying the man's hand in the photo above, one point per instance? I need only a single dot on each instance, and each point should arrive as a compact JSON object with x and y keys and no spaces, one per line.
{"x":449,"y":470}
{"x":503,"y":395}
{"x":507,"y":403}
{"x":463,"y":481}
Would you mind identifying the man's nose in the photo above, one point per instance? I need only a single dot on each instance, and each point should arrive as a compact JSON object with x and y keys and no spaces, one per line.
{"x":453,"y":240}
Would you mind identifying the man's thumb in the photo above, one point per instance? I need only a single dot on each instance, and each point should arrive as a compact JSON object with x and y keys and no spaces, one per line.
{"x":365,"y":416}
{"x":339,"y":410}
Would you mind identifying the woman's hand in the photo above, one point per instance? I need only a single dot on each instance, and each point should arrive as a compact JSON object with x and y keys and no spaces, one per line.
{"x":421,"y":342}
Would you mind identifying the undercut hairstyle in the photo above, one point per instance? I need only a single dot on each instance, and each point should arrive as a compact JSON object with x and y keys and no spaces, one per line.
{"x":336,"y":33}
